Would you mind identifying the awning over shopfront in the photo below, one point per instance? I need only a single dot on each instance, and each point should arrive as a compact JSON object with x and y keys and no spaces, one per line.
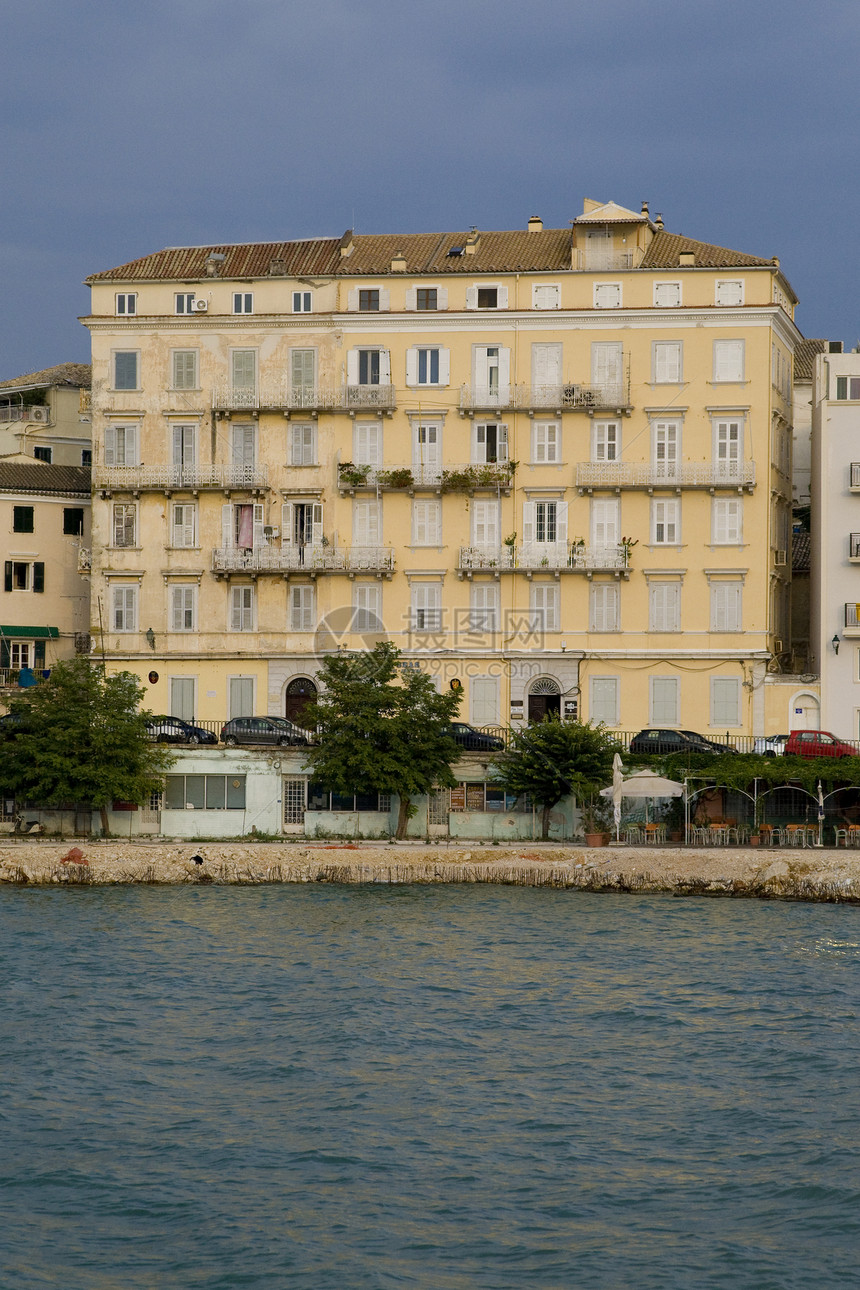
{"x":30,"y":633}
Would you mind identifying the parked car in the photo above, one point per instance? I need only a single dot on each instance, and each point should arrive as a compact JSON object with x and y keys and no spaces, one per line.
{"x":272,"y":731}
{"x":770,"y":745}
{"x":173,"y":730}
{"x":818,"y":743}
{"x":661,"y":742}
{"x":474,"y":740}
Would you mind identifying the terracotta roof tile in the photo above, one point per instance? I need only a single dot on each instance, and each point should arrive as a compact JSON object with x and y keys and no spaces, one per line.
{"x":312,"y":257}
{"x":502,"y":252}
{"x":23,"y":477}
{"x":665,"y":249}
{"x":74,"y":374}
{"x":804,"y":358}
{"x":801,"y":552}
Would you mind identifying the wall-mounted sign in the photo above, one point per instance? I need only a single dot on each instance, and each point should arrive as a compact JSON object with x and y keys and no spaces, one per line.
{"x":153,"y":678}
{"x":455,"y":684}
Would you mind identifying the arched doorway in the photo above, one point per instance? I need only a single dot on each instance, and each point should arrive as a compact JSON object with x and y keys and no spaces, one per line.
{"x":300,"y":692}
{"x":544,"y":699}
{"x":804,"y":712}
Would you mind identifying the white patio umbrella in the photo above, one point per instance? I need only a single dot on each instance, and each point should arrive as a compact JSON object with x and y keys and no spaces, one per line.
{"x":617,"y":787}
{"x":647,"y":784}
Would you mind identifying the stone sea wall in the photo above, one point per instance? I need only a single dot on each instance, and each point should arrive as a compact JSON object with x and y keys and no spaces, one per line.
{"x":792,"y":875}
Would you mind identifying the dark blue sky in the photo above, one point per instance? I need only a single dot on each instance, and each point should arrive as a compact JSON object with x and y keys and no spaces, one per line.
{"x":131,"y":127}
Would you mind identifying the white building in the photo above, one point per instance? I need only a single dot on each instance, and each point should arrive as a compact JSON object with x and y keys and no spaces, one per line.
{"x":835,"y":579}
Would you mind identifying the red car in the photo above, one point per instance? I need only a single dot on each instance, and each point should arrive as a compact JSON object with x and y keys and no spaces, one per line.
{"x":817,"y":743}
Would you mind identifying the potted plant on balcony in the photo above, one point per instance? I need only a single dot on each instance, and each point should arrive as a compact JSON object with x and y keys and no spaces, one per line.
{"x":351,"y":475}
{"x":400,"y":478}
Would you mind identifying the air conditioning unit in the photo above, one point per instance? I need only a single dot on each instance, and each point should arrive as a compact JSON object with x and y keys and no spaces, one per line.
{"x":38,"y":414}
{"x":779,"y":557}
{"x":200,"y":306}
{"x":270,"y":531}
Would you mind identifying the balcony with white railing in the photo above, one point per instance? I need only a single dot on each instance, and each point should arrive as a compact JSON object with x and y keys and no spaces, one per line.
{"x":852,"y":619}
{"x":855,"y":477}
{"x":682,"y":474}
{"x":558,"y":397}
{"x":278,"y":397}
{"x":854,"y":548}
{"x":311,"y":559}
{"x":544,"y":557}
{"x":37,"y":412}
{"x":468,"y":478}
{"x":170,"y":479}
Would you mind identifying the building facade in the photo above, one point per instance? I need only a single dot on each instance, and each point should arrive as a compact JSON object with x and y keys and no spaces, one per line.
{"x":45,"y":416}
{"x":835,"y":575}
{"x":45,"y":521}
{"x":552,"y":465}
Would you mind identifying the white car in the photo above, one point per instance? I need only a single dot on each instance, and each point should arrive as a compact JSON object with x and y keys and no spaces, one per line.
{"x":771,"y":745}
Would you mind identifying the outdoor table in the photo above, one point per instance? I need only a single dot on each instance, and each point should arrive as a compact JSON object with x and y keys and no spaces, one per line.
{"x":654,"y":833}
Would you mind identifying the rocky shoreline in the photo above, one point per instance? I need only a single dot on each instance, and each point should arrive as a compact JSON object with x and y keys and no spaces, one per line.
{"x":795,"y":874}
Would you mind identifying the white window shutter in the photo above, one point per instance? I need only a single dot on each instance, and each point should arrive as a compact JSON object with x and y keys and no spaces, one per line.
{"x":384,"y":367}
{"x":412,"y":366}
{"x":411,"y":298}
{"x":287,"y":523}
{"x":227,"y":525}
{"x":471,"y":297}
{"x":110,"y":446}
{"x":442,"y":298}
{"x":504,"y":368}
{"x":352,"y":299}
{"x":502,"y":442}
{"x":528,"y":522}
{"x":444,"y":366}
{"x":259,"y":535}
{"x":561,"y":522}
{"x":352,"y":367}
{"x":502,"y":298}
{"x":317,"y":524}
{"x":384,"y":299}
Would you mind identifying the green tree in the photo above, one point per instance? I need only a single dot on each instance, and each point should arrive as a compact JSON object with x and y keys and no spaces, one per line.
{"x":553,"y":759}
{"x":80,"y":737}
{"x":382,"y":728}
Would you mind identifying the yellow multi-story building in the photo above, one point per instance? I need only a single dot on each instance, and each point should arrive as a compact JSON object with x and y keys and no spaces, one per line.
{"x":552,"y":465}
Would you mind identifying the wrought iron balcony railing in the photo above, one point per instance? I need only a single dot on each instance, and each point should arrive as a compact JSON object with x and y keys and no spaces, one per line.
{"x":279,"y":397}
{"x":681,"y":474}
{"x":467,"y":478}
{"x":179,"y":478}
{"x":544,"y":556}
{"x":556,"y":397}
{"x":311,"y":559}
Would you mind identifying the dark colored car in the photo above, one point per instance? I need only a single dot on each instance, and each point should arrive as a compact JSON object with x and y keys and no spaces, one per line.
{"x":474,"y":740}
{"x":273,"y":731}
{"x":661,"y":742}
{"x":817,"y":743}
{"x":173,"y":730}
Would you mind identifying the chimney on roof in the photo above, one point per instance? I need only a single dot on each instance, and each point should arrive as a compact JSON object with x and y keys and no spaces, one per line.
{"x":277,"y":267}
{"x":535,"y":224}
{"x":398,"y":262}
{"x":214,"y":260}
{"x":645,"y":209}
{"x":658,"y":222}
{"x":346,"y":244}
{"x":473,"y":241}
{"x":687,"y":259}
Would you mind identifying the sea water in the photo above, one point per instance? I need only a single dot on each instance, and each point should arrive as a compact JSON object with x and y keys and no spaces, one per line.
{"x":443,"y":1088}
